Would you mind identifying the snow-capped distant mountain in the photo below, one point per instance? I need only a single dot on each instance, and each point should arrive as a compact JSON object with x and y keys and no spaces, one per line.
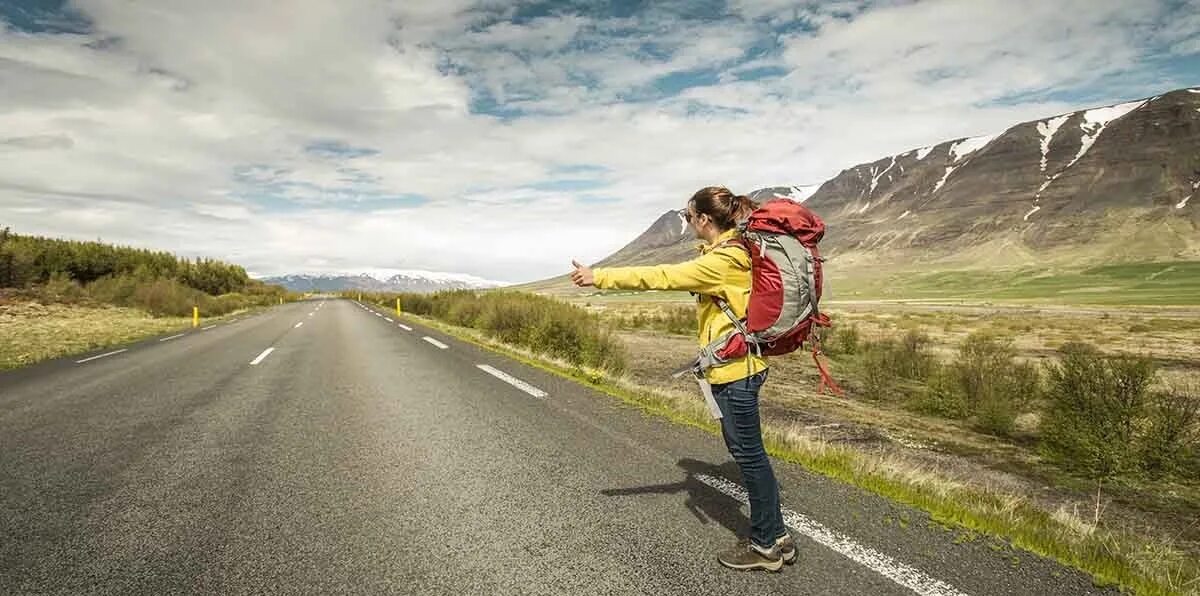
{"x":383,"y":280}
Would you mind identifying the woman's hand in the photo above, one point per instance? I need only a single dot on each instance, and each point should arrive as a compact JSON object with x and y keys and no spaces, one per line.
{"x":582,"y":276}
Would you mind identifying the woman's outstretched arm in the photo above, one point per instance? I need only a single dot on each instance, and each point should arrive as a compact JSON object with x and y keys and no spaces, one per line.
{"x":704,"y":275}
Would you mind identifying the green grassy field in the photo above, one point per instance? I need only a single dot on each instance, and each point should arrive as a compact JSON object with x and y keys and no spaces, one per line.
{"x":1149,"y":284}
{"x":1170,"y":283}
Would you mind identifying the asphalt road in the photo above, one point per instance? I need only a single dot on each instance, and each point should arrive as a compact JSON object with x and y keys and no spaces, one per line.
{"x":358,"y":457}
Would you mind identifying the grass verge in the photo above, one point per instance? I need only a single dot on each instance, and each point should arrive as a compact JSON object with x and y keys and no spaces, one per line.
{"x":1110,"y":557}
{"x":31,"y":332}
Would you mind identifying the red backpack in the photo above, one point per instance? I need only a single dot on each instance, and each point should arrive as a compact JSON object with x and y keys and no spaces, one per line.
{"x":781,"y":237}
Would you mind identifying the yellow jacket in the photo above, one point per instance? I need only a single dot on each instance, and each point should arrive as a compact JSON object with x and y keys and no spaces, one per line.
{"x":722,"y":271}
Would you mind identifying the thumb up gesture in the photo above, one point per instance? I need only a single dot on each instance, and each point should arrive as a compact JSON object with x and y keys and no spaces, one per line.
{"x":582,"y":276}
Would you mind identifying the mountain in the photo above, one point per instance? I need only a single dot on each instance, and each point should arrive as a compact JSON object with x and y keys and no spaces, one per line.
{"x":1108,"y":183}
{"x":1099,"y":186}
{"x":382,"y":280}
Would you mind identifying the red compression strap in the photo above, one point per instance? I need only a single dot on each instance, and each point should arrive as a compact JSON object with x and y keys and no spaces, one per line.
{"x":826,"y":379}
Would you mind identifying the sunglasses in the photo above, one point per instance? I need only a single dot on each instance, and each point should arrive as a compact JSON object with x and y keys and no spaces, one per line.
{"x":688,"y":217}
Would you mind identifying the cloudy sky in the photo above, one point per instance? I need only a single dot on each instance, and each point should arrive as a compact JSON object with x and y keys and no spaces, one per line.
{"x":501,"y":139}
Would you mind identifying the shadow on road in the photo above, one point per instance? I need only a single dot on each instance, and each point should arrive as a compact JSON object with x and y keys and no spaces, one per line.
{"x":704,"y":501}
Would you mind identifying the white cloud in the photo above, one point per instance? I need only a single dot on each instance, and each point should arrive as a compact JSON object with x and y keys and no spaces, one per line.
{"x":184,"y":125}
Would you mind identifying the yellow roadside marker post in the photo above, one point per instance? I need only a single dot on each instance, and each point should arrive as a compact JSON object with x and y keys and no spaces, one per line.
{"x":397,"y":307}
{"x":195,"y":316}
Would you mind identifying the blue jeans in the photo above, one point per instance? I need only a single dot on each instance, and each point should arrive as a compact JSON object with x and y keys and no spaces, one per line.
{"x":742,"y":429}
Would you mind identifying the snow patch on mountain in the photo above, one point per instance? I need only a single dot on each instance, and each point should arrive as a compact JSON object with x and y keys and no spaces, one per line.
{"x":969,"y":145}
{"x":799,"y":193}
{"x":949,"y":170}
{"x":875,"y":177}
{"x":1047,"y":129}
{"x":1095,"y":121}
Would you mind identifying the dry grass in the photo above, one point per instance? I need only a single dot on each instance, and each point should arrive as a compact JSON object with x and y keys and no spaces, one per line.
{"x":32,"y":332}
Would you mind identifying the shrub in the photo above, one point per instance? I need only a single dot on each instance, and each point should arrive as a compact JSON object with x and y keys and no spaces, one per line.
{"x":842,"y":340}
{"x":165,"y":297}
{"x":61,"y":288}
{"x":1096,"y":407}
{"x":943,"y":395}
{"x":678,"y":320}
{"x":113,"y":290}
{"x":1171,"y":433}
{"x":540,"y":324}
{"x":879,"y":380}
{"x":995,"y":387}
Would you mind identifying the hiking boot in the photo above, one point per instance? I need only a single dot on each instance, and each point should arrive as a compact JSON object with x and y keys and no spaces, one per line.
{"x":746,"y":557}
{"x":787,"y":548}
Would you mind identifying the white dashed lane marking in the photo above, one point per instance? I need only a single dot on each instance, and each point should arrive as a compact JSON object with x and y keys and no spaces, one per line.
{"x":113,"y":353}
{"x":511,"y":380}
{"x":909,"y":577}
{"x":263,"y":356}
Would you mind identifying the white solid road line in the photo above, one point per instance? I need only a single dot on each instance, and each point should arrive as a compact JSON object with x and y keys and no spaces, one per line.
{"x":435,"y":342}
{"x":263,"y":356}
{"x":172,"y":337}
{"x":902,"y":574}
{"x":405,"y":327}
{"x":209,"y":327}
{"x":101,"y":356}
{"x":298,"y":325}
{"x":511,"y":380}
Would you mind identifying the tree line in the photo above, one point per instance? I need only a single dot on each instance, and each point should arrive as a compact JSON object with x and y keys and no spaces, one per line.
{"x":32,"y":260}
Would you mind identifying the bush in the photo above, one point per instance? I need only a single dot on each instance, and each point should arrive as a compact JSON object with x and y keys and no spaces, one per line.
{"x":540,"y":324}
{"x":879,"y":378}
{"x":1097,"y":406}
{"x":995,"y":387}
{"x":165,"y":297}
{"x":912,"y":359}
{"x":678,"y":320}
{"x":943,"y":395}
{"x":886,"y":363}
{"x":841,"y":340}
{"x":61,"y":288}
{"x":1172,"y":433}
{"x":113,"y":290}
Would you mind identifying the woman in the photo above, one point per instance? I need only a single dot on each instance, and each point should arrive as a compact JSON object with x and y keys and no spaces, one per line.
{"x":722,"y":271}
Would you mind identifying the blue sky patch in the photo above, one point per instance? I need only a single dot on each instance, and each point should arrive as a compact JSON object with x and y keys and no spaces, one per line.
{"x":578,"y":169}
{"x":43,"y":16}
{"x":568,"y":185}
{"x":331,"y":149}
